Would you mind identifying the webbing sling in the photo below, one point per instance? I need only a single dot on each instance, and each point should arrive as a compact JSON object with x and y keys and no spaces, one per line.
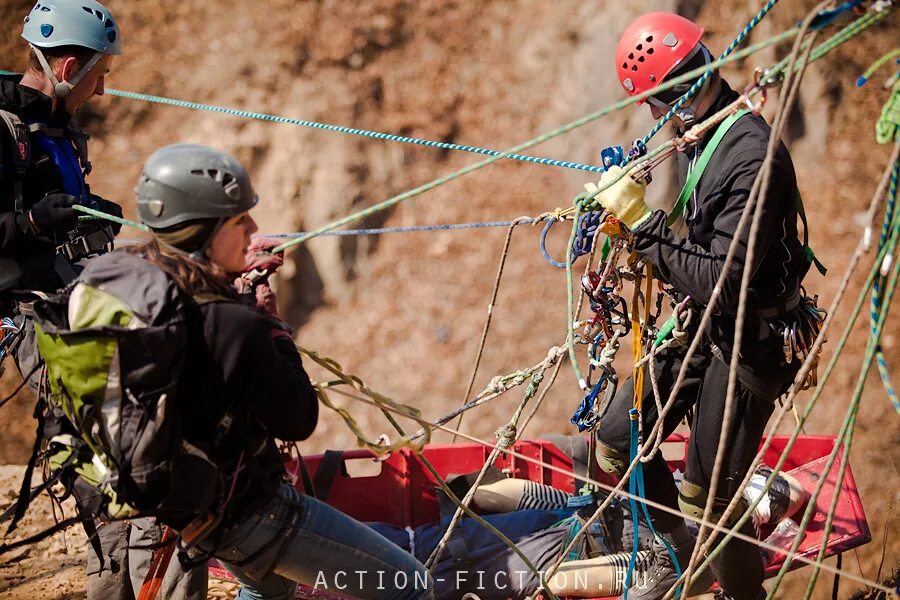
{"x":808,"y":253}
{"x":696,"y":172}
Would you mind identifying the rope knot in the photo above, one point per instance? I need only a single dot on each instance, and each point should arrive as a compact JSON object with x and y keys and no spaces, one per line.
{"x":496,"y":385}
{"x":679,"y":335}
{"x":506,"y":435}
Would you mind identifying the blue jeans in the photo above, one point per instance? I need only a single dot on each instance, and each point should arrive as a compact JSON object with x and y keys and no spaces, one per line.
{"x":326,"y":549}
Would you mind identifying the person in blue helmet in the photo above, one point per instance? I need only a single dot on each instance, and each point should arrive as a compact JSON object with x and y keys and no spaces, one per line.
{"x":43,"y":173}
{"x":43,"y":154}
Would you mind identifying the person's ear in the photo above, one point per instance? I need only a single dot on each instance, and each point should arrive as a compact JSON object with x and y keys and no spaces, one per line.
{"x":67,"y":68}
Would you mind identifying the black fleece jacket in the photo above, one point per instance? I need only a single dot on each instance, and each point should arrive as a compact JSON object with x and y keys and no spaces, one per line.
{"x":235,"y":367}
{"x":692,"y":264}
{"x":28,"y":104}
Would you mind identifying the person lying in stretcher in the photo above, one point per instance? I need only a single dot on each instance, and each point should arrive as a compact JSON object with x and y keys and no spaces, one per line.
{"x":542,"y":520}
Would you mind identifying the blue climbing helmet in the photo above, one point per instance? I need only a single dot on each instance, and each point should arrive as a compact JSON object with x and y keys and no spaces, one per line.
{"x":83,"y":23}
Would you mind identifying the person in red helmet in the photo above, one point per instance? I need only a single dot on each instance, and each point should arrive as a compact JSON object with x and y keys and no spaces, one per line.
{"x":656,"y":48}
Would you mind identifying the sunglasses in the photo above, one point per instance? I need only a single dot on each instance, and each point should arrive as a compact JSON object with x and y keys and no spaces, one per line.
{"x":666,"y":99}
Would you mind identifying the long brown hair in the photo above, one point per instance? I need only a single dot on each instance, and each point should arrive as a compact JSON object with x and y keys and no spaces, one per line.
{"x":193,"y":277}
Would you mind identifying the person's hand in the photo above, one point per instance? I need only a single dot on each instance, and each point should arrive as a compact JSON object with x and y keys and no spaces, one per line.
{"x":111,"y":208}
{"x":624,"y":199}
{"x":54,"y":213}
{"x":259,"y":259}
{"x":253,"y":282}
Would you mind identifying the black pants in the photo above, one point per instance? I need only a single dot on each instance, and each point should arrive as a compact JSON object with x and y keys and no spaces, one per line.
{"x":703,"y":390}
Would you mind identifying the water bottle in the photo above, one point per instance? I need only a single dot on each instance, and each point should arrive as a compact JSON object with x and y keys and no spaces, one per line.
{"x":783,"y":538}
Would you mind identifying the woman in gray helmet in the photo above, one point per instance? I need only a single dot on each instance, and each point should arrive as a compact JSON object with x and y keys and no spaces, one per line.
{"x":247,"y":387}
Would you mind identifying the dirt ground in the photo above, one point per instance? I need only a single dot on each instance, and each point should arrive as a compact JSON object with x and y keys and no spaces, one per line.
{"x":405,"y":312}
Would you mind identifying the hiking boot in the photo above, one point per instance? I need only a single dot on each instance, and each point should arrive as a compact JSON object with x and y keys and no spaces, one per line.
{"x":656,"y":575}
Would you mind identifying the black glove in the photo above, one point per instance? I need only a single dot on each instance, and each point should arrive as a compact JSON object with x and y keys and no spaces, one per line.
{"x":110,"y":208}
{"x":54,"y":213}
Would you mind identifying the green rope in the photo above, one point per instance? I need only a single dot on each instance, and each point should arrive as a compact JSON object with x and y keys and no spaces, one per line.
{"x":108,"y":217}
{"x":388,"y":407}
{"x":832,"y":311}
{"x":795,"y":434}
{"x":480,"y":520}
{"x":846,"y":430}
{"x":774,"y":40}
{"x":589,"y":202}
{"x":506,"y":438}
{"x":535,"y":141}
{"x":895,"y":53}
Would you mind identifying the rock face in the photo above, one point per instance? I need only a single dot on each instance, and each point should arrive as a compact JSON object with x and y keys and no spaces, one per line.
{"x":405,"y":312}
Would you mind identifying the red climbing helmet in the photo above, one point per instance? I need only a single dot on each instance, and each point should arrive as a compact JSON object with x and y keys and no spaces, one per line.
{"x":651,"y":47}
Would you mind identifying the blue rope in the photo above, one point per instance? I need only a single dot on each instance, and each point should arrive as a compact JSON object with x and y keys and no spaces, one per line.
{"x":390,"y":137}
{"x":588,"y":223}
{"x":887,"y":225}
{"x":699,"y":83}
{"x":828,"y":16}
{"x":636,"y":489}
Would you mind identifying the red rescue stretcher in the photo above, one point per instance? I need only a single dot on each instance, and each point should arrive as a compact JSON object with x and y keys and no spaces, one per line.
{"x":400,"y":491}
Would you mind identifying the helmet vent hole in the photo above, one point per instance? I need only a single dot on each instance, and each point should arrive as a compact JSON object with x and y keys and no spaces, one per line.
{"x":631,"y":56}
{"x":640,"y":47}
{"x":108,"y":23}
{"x":233,"y":191}
{"x":45,"y":9}
{"x":227,"y":179}
{"x":649,"y":39}
{"x":649,"y":50}
{"x":99,"y":15}
{"x":87,"y":10}
{"x":624,"y":65}
{"x":634,"y":67}
{"x":111,"y":35}
{"x":640,"y":59}
{"x":196,"y":172}
{"x":213,"y":174}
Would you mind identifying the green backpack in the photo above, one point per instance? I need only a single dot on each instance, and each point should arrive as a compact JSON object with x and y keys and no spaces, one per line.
{"x":114,"y":344}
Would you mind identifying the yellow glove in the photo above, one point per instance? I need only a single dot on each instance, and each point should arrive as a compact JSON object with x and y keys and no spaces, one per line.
{"x":625,"y":198}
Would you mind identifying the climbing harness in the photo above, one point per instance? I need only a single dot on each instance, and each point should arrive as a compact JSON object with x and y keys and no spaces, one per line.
{"x":64,"y":151}
{"x":611,"y":319}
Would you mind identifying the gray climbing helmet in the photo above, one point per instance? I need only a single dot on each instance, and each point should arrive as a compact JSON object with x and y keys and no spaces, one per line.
{"x":187,"y":182}
{"x":83,"y":23}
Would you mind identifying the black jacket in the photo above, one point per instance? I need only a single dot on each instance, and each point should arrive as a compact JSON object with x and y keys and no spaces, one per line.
{"x":28,"y":104}
{"x":24,"y":256}
{"x":20,"y":250}
{"x":236,"y":368}
{"x":692,"y":264}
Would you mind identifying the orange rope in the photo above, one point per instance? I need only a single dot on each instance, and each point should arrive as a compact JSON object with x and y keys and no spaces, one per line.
{"x":158,"y":566}
{"x":637,"y":331}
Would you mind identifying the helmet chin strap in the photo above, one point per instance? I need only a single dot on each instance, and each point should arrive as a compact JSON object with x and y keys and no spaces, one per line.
{"x":687,"y":114}
{"x":200,"y":255}
{"x":62,"y":88}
